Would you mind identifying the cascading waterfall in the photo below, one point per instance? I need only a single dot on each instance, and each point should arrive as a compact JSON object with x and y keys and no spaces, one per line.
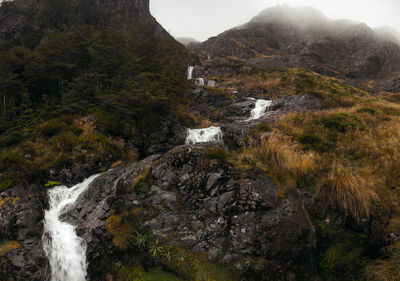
{"x":190,"y":72}
{"x":211,"y":83}
{"x":65,"y":250}
{"x":211,"y":134}
{"x":199,"y":82}
{"x":260,"y":109}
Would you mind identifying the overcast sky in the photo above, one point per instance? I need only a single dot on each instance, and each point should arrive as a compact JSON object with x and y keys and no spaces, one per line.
{"x":206,"y":18}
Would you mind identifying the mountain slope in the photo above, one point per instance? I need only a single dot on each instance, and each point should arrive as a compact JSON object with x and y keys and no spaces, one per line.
{"x":303,"y":37}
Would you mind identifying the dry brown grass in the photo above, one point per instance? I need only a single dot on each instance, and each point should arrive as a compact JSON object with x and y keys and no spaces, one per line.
{"x":345,"y":190}
{"x":388,"y":269}
{"x":285,"y":160}
{"x":8,"y":246}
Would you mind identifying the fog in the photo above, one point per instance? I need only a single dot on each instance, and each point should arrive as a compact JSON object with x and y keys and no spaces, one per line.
{"x":203,"y":19}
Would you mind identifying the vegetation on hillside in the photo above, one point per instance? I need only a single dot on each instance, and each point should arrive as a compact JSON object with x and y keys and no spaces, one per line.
{"x":50,"y":78}
{"x":347,"y":154}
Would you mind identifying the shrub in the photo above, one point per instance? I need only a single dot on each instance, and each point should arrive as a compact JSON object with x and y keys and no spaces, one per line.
{"x":65,"y":141}
{"x":261,"y":128}
{"x":343,"y":122}
{"x":51,"y":127}
{"x":217,"y":153}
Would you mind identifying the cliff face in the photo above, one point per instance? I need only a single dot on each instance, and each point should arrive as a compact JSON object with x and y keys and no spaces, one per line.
{"x":284,"y":36}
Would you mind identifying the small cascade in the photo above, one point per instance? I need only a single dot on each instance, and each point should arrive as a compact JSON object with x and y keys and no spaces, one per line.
{"x":190,"y":72}
{"x":211,"y":83}
{"x":260,"y":109}
{"x":199,"y":82}
{"x":210,"y":134}
{"x":65,"y":250}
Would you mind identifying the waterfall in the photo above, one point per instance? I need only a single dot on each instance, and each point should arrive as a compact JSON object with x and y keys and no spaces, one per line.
{"x":260,"y":109}
{"x":199,"y":82}
{"x":211,"y":83}
{"x":211,"y":134}
{"x":190,"y":72}
{"x":65,"y":250}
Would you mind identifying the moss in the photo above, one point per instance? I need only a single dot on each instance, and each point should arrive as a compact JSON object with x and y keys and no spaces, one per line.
{"x":52,"y":184}
{"x":142,"y":182}
{"x":120,"y":229}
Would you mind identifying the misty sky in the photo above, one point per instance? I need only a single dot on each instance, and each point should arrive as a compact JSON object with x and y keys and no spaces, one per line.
{"x":206,"y":18}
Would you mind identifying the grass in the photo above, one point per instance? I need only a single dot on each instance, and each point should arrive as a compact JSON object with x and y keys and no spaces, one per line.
{"x":386,"y":269}
{"x":345,"y":190}
{"x":56,"y":144}
{"x":284,"y":161}
{"x":280,"y":82}
{"x":8,"y":246}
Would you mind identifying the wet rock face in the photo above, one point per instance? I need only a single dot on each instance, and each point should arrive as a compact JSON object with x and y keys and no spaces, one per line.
{"x":172,"y":133}
{"x":199,"y":204}
{"x":21,"y":220}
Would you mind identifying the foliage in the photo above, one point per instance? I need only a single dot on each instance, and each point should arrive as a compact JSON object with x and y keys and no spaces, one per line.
{"x":52,"y":184}
{"x":89,"y":63}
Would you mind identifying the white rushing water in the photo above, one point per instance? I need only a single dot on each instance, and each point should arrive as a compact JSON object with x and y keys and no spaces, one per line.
{"x":190,"y":72}
{"x":211,"y":134}
{"x":260,"y":109}
{"x":211,"y":83}
{"x":199,"y":82}
{"x":66,"y":251}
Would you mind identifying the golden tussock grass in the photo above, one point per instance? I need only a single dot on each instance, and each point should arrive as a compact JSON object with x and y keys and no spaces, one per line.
{"x":388,"y":269}
{"x":345,"y":190}
{"x":8,"y":246}
{"x":285,"y":160}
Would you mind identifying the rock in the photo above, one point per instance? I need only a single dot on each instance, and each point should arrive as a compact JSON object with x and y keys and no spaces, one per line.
{"x":21,"y":220}
{"x":172,"y":133}
{"x":212,"y":215}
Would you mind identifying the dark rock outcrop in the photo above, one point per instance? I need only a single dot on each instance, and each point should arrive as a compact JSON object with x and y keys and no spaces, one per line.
{"x":201,"y":205}
{"x":21,"y":220}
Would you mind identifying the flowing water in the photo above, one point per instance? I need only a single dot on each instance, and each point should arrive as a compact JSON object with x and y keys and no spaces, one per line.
{"x":199,"y":82}
{"x":211,"y":134}
{"x":190,"y":72}
{"x":260,"y":109}
{"x":66,"y":251}
{"x":211,"y":83}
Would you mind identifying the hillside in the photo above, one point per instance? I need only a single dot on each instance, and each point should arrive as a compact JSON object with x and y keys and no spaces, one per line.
{"x":303,"y":37}
{"x":274,"y":157}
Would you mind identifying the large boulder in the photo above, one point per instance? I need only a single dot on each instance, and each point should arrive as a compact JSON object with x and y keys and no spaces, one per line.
{"x":200,"y":204}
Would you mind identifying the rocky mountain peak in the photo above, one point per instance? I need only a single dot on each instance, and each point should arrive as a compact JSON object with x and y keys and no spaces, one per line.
{"x":300,"y":16}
